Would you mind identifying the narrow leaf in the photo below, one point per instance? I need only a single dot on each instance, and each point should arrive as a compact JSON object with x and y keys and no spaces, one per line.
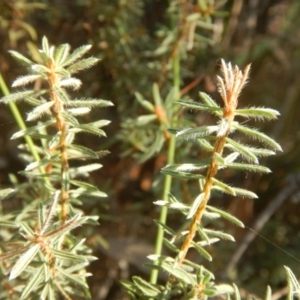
{"x":24,"y":261}
{"x":255,"y":134}
{"x":195,"y":206}
{"x":201,"y":251}
{"x":258,"y":113}
{"x":34,"y":283}
{"x":145,"y":287}
{"x":198,"y":106}
{"x":24,"y":80}
{"x":225,"y":215}
{"x":75,"y":55}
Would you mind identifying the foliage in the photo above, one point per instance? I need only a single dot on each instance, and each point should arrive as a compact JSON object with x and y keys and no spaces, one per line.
{"x":156,"y":56}
{"x":40,"y":250}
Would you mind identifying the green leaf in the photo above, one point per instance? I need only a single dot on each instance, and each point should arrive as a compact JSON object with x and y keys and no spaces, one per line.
{"x":198,"y":106}
{"x":156,"y":95}
{"x":201,"y":251}
{"x":33,"y":283}
{"x":144,"y":103}
{"x":147,"y":289}
{"x":45,"y":46}
{"x":205,"y":145}
{"x":64,"y":255}
{"x":293,"y":284}
{"x":32,"y":130}
{"x":179,"y":273}
{"x":42,"y":162}
{"x":223,"y":186}
{"x":40,"y":110}
{"x":166,"y":228}
{"x":146,"y":119}
{"x":236,"y":292}
{"x":210,"y":102}
{"x":17,"y":96}
{"x":238,"y":192}
{"x":5,"y":192}
{"x":195,"y":206}
{"x":219,"y":234}
{"x":71,"y":277}
{"x":24,"y":261}
{"x":83,"y":150}
{"x":193,"y":133}
{"x":90,"y":102}
{"x":169,"y":245}
{"x":24,"y":80}
{"x":268,"y":293}
{"x":82,"y":64}
{"x":240,"y":148}
{"x":248,"y":167}
{"x":75,"y":55}
{"x":258,"y":113}
{"x":61,"y":94}
{"x":255,"y":134}
{"x":225,"y":215}
{"x":61,"y":54}
{"x":22,"y":59}
{"x":88,"y":128}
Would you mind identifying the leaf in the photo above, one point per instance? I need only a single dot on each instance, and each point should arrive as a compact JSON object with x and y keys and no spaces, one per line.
{"x":82,"y":64}
{"x":61,"y":53}
{"x":79,"y":111}
{"x":240,"y":148}
{"x":205,"y":145}
{"x":179,"y":273}
{"x":146,"y":288}
{"x":86,"y":151}
{"x":293,"y":284}
{"x":44,"y":161}
{"x":195,"y":206}
{"x":75,"y":55}
{"x":71,"y":277}
{"x":248,"y":167}
{"x":45,"y":46}
{"x":255,"y":134}
{"x":166,"y":228}
{"x":21,"y":58}
{"x":143,"y":120}
{"x":71,"y":82}
{"x":223,"y":186}
{"x":268,"y":293}
{"x":31,"y":130}
{"x":258,"y":113}
{"x":24,"y":261}
{"x":40,"y":110}
{"x":5,"y":192}
{"x":198,"y":106}
{"x":225,"y":215}
{"x":219,"y":234}
{"x":61,"y":94}
{"x":88,"y":128}
{"x":24,"y":80}
{"x":90,"y":102}
{"x":33,"y":283}
{"x":144,"y":103}
{"x":64,"y":255}
{"x":236,"y":292}
{"x":209,"y":101}
{"x":17,"y":96}
{"x":193,"y":133}
{"x":201,"y":251}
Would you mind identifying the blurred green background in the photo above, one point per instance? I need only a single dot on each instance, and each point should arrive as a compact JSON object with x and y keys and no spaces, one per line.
{"x":125,"y":34}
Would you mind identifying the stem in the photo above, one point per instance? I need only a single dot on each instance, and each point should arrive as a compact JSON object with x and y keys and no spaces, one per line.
{"x":21,"y":124}
{"x":168,"y":178}
{"x":62,"y":128}
{"x":212,"y":171}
